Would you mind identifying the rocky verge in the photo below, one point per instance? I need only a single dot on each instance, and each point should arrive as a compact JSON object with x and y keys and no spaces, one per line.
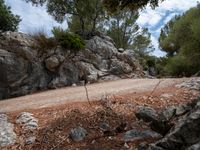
{"x":111,"y":123}
{"x":179,"y":125}
{"x":25,"y":69}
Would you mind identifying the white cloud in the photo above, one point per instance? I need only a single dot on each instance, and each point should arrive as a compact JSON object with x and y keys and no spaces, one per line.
{"x":169,"y":17}
{"x":157,"y":51}
{"x":151,"y":19}
{"x":155,"y":19}
{"x":33,"y":18}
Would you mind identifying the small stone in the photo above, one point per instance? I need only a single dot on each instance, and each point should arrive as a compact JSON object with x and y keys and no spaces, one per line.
{"x":94,"y":141}
{"x":74,"y":85}
{"x":134,"y":135}
{"x":121,"y":50}
{"x":104,"y":126}
{"x":27,"y":120}
{"x":30,"y":140}
{"x":167,"y":95}
{"x":78,"y":134}
{"x":3,"y":118}
{"x":144,"y":97}
{"x":147,"y":114}
{"x":126,"y":145}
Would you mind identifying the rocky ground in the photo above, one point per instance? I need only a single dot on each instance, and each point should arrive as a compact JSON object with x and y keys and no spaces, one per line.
{"x":160,"y":118}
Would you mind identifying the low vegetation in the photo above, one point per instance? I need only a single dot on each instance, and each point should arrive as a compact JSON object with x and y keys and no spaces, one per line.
{"x":68,"y":40}
{"x":63,"y":38}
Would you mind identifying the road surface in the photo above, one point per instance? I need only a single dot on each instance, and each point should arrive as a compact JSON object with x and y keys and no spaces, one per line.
{"x":76,"y":94}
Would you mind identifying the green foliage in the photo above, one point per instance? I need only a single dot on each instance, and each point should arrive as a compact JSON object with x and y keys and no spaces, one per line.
{"x":142,"y":43}
{"x":160,"y":66}
{"x":115,"y":5}
{"x":127,"y":34}
{"x":147,"y":61}
{"x":150,"y":61}
{"x":81,"y":15}
{"x":68,"y":40}
{"x":166,"y":39}
{"x":122,"y":26}
{"x":90,"y":17}
{"x":8,"y":21}
{"x":177,"y":66}
{"x":181,"y":40}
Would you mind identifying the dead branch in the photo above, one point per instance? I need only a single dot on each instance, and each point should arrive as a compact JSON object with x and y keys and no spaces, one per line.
{"x":61,"y":142}
{"x":87,"y":95}
{"x":156,"y":86}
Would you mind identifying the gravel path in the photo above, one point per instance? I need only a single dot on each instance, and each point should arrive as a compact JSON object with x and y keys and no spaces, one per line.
{"x":76,"y":94}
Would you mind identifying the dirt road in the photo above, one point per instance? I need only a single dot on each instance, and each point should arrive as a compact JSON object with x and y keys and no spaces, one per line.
{"x":73,"y":94}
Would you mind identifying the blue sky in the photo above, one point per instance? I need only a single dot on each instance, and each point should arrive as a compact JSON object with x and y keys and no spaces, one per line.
{"x":36,"y":18}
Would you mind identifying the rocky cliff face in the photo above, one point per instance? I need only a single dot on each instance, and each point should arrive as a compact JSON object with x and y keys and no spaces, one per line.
{"x":24,"y":69}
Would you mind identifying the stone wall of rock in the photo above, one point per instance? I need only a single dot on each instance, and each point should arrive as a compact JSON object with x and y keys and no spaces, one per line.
{"x":180,"y":127}
{"x":24,"y":69}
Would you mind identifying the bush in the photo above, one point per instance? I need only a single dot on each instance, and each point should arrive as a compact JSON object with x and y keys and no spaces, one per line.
{"x":68,"y":40}
{"x":178,"y":66}
{"x":160,"y":66}
{"x":8,"y":21}
{"x":43,"y":42}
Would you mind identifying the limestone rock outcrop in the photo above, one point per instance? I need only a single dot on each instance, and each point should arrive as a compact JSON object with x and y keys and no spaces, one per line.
{"x":25,"y":69}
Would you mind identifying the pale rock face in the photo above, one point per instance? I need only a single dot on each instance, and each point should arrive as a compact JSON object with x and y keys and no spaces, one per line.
{"x":192,"y":84}
{"x":28,"y":121}
{"x":7,"y":134}
{"x":25,"y":69}
{"x":52,"y":63}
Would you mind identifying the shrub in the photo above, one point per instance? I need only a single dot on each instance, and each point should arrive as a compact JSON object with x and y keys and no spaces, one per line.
{"x":178,"y":66}
{"x":68,"y":40}
{"x":44,"y":42}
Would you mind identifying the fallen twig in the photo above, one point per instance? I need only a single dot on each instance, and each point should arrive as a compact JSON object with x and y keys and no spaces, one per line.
{"x":157,"y":85}
{"x":87,"y":95}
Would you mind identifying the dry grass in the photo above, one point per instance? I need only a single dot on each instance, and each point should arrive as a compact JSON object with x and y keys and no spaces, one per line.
{"x":43,"y":42}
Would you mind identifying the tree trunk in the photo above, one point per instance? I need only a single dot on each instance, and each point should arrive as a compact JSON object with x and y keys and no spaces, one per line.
{"x":82,"y":25}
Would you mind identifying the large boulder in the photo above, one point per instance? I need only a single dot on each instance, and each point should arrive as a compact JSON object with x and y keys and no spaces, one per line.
{"x":25,"y":68}
{"x":52,"y":63}
{"x":147,"y":114}
{"x":186,"y":132}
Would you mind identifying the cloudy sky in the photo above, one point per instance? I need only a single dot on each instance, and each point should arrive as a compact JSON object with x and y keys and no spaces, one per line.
{"x":36,"y":18}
